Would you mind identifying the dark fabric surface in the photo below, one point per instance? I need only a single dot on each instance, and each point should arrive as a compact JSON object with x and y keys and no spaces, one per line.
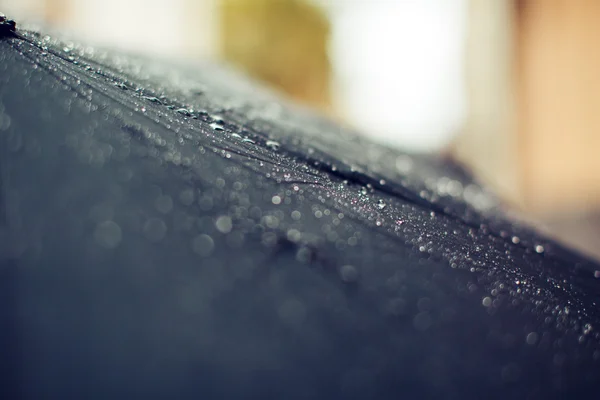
{"x":173,"y":231}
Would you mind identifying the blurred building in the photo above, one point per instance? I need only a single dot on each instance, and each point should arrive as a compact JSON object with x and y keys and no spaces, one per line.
{"x":533,"y":130}
{"x":283,"y":43}
{"x":170,"y":28}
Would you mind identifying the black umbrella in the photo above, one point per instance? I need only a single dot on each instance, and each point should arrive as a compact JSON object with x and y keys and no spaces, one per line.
{"x":172,"y":231}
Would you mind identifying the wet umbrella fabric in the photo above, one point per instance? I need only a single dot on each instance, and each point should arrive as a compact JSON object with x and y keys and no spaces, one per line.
{"x":173,"y":231}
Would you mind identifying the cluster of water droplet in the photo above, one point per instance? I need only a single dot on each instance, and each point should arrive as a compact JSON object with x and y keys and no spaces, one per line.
{"x":258,"y":172}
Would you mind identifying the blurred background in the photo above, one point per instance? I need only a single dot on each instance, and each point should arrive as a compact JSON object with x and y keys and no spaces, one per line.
{"x":508,"y":88}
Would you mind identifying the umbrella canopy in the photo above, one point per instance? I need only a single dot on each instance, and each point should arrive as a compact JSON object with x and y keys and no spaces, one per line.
{"x":174,"y":231}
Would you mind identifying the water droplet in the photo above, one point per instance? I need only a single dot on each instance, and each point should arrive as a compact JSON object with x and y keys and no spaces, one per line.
{"x":532,"y":338}
{"x":270,"y":221}
{"x":224,"y":224}
{"x":597,"y":274}
{"x":5,"y":121}
{"x":164,"y":204}
{"x":304,"y":255}
{"x":203,"y":245}
{"x":348,"y":273}
{"x":276,"y":200}
{"x":108,"y":234}
{"x":487,"y":301}
{"x":292,"y":312}
{"x":511,"y":373}
{"x":422,"y":321}
{"x":559,"y":359}
{"x":424,"y":304}
{"x":155,"y":229}
{"x":269,"y":239}
{"x":152,"y":99}
{"x":187,"y":197}
{"x":381,"y":204}
{"x":273,"y":145}
{"x":216,"y":127}
{"x":296,"y":215}
{"x":294,"y":235}
{"x":206,"y":203}
{"x":404,"y":164}
{"x":184,"y":111}
{"x":539,"y":249}
{"x":516,"y":240}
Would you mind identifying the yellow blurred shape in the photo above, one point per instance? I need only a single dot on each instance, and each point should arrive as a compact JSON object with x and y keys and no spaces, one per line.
{"x":280,"y":42}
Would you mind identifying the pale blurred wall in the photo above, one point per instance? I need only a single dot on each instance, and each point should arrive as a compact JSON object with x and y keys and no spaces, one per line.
{"x":558,"y":64}
{"x":31,"y":9}
{"x":172,"y":28}
{"x":559,"y":102}
{"x":533,"y":130}
{"x":489,"y":142}
{"x":400,"y":69}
